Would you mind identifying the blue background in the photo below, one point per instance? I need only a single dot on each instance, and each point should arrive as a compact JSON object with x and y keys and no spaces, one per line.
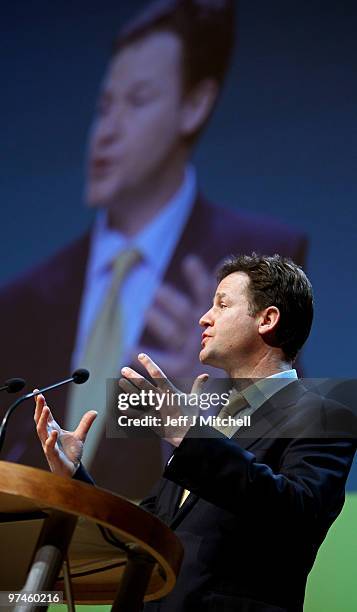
{"x":282,"y":141}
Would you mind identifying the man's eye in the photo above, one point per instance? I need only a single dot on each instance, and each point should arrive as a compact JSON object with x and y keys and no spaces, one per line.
{"x":139,"y":99}
{"x":222,"y":305}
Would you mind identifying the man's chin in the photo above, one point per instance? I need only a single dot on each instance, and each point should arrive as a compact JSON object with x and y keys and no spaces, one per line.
{"x":206,"y":358}
{"x":93,"y":197}
{"x":97,"y":194}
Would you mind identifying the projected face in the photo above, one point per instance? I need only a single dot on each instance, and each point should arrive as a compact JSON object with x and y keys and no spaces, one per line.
{"x":137,"y":128}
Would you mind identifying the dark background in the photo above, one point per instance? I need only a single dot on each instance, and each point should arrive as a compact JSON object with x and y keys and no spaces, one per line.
{"x":282,"y":141}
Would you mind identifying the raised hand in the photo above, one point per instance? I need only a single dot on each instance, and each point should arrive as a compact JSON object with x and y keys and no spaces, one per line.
{"x":174,"y":404}
{"x":173,"y":321}
{"x":63,"y":449}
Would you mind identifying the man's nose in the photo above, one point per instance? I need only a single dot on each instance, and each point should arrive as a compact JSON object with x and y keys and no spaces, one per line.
{"x":206,"y":319}
{"x":106,"y":133}
{"x":108,"y":129}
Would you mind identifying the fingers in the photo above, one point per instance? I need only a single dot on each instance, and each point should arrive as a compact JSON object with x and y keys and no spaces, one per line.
{"x":135,"y":381}
{"x":48,"y":437}
{"x":157,"y":355}
{"x":43,"y":417}
{"x":181,"y":367}
{"x":199,"y":279}
{"x":40,"y":401}
{"x":151,"y":367}
{"x":50,"y":444}
{"x":39,"y":404}
{"x":199,"y":383}
{"x":52,"y":453}
{"x":176,"y":303}
{"x":85,"y":424}
{"x":170,"y":330}
{"x":127,"y":386}
{"x":174,"y":312}
{"x":153,"y":370}
{"x":42,"y":424}
{"x":173,"y":316}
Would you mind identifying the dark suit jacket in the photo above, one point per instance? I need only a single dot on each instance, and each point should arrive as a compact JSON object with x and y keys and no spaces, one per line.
{"x":260,"y":506}
{"x":39,"y":315}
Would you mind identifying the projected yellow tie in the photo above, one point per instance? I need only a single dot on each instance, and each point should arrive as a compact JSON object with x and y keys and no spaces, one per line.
{"x":101,"y":356}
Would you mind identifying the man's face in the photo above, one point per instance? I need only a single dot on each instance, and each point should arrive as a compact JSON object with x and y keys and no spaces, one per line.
{"x":230,"y":335}
{"x":138,"y":124}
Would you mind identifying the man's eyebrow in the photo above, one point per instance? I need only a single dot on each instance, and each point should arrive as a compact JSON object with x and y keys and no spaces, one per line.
{"x":142,"y":82}
{"x":219,"y":295}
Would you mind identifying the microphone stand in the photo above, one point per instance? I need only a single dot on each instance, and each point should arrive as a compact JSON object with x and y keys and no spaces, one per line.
{"x":79,"y":377}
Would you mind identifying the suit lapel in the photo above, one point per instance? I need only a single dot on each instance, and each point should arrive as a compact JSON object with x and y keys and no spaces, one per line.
{"x":267,"y":420}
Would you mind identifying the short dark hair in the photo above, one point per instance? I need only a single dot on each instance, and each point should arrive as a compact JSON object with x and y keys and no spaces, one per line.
{"x":205,"y":27}
{"x":277,"y":281}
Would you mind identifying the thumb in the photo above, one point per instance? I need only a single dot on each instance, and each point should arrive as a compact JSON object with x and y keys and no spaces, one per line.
{"x":199,"y":383}
{"x":85,"y":424}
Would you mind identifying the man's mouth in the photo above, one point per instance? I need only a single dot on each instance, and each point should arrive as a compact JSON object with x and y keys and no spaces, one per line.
{"x":205,"y":337}
{"x":100,"y":167}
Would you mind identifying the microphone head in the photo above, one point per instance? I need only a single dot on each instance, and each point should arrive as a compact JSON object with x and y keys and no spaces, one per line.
{"x":80,"y":376}
{"x":14,"y":384}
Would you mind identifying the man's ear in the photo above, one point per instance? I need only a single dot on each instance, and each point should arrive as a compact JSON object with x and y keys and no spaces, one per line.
{"x":268,"y":320}
{"x":198,"y":105}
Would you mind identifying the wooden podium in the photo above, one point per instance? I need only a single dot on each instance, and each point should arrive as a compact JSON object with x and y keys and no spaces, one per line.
{"x":62,"y":534}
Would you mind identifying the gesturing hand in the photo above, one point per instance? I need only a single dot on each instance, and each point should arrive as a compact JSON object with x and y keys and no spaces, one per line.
{"x":63,"y":449}
{"x":172,"y":320}
{"x":176,"y":412}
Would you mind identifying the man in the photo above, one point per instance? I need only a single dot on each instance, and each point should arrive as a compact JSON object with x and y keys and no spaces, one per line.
{"x":251,"y":505}
{"x":160,"y":89}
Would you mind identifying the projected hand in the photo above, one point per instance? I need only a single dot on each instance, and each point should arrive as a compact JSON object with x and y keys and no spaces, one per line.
{"x":173,"y":321}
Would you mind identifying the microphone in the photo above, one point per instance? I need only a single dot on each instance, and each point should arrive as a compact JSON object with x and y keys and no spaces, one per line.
{"x":13,"y":385}
{"x":79,"y":377}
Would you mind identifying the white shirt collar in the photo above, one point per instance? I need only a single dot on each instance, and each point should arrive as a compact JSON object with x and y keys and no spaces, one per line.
{"x":156,"y":241}
{"x":263,"y":389}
